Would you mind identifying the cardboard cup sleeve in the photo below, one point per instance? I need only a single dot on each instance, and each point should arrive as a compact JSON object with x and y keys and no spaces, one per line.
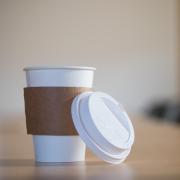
{"x":48,"y":110}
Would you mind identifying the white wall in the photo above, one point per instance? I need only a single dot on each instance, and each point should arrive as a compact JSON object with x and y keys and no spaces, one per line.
{"x":132,"y":43}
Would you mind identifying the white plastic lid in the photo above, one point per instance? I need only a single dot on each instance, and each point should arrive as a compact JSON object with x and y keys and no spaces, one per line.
{"x":103,"y":125}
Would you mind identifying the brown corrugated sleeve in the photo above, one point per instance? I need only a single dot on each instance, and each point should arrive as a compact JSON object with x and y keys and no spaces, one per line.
{"x":48,"y":110}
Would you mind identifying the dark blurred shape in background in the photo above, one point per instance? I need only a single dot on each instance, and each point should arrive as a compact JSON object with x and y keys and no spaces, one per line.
{"x":165,"y":111}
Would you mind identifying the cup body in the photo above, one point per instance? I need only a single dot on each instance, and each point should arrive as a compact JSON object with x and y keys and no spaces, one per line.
{"x":59,"y":148}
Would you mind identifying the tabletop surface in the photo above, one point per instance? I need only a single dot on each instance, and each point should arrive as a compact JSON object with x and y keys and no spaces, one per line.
{"x":155,"y":155}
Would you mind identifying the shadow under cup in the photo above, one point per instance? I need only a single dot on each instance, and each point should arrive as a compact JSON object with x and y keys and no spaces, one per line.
{"x":52,"y":148}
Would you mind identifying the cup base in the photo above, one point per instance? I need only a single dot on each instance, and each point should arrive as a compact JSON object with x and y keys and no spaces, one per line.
{"x":58,"y":149}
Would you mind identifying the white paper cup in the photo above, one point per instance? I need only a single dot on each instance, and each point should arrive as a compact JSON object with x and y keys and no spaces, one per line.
{"x":59,"y":148}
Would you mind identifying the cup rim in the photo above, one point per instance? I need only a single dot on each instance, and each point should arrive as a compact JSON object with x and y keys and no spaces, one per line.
{"x":58,"y":67}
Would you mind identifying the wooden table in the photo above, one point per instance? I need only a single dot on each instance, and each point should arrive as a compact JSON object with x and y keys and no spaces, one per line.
{"x":155,"y":155}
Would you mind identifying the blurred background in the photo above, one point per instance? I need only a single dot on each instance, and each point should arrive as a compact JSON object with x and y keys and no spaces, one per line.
{"x":134,"y":44}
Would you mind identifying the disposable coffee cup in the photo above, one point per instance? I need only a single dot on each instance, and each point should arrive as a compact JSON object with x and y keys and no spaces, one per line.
{"x":51,"y":148}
